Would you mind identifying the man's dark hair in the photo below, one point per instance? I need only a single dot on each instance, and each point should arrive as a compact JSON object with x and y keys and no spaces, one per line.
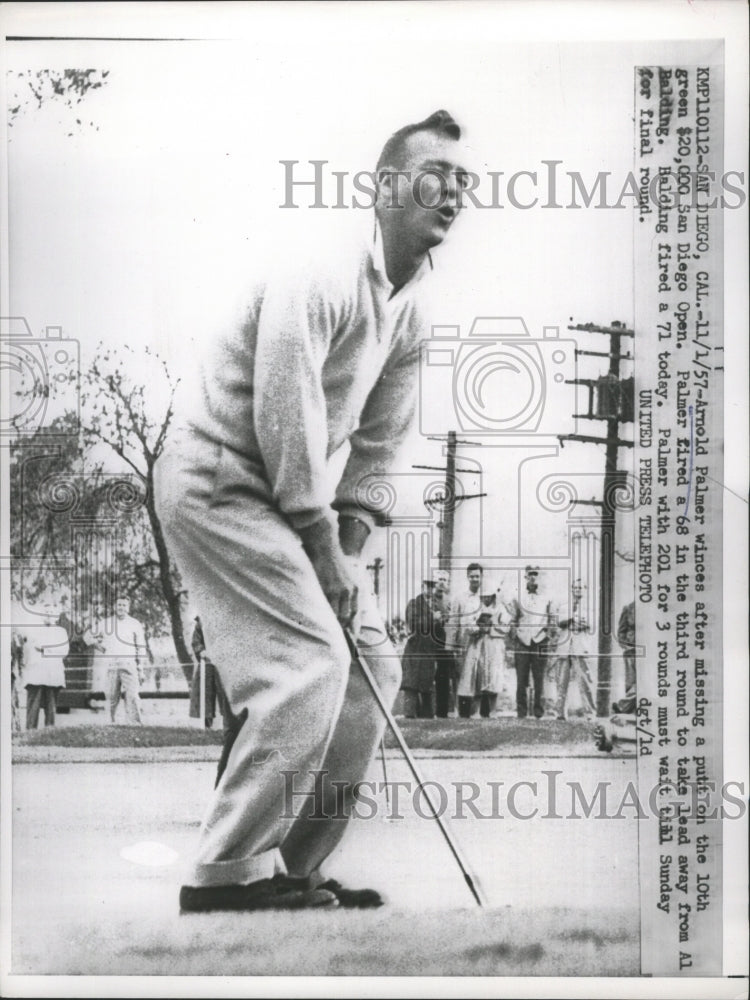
{"x":441,"y":123}
{"x":473,"y":566}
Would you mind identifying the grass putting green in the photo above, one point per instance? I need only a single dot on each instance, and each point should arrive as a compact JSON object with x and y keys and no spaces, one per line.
{"x":467,"y":735}
{"x":118,"y":736}
{"x":476,"y":735}
{"x":385,"y":942}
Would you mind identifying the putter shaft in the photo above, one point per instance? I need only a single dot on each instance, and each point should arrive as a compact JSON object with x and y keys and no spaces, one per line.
{"x":394,"y":727}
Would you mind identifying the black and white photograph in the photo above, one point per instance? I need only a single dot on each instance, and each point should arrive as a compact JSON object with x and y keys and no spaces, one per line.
{"x":373,"y":446}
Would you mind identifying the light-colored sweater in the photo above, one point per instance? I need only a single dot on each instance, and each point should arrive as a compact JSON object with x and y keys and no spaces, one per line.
{"x":121,"y":639}
{"x":325,"y":354}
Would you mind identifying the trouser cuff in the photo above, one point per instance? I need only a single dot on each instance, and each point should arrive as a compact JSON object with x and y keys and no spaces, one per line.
{"x":236,"y":871}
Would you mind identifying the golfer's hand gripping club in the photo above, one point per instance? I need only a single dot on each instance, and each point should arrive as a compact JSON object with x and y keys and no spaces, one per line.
{"x":332,"y":569}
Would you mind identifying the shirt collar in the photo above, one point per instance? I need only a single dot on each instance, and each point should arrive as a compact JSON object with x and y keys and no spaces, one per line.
{"x":378,"y":260}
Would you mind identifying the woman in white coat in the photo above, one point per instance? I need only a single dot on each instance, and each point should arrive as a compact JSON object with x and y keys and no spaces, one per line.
{"x":484,"y":673}
{"x":44,"y":647}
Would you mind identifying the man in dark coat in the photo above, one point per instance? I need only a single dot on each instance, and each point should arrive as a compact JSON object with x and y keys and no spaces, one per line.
{"x":626,"y":638}
{"x":213,"y":690}
{"x":445,"y":671}
{"x":423,"y":647}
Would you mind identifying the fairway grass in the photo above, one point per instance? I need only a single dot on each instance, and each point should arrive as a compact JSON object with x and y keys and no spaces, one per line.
{"x":383,"y":942}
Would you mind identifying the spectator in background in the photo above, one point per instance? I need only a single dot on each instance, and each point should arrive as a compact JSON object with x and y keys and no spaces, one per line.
{"x":463,"y":614}
{"x":420,"y":655}
{"x":626,"y":638}
{"x":44,"y":648}
{"x":16,"y":673}
{"x":65,"y":621}
{"x":445,"y":664}
{"x":484,"y":674}
{"x":122,"y":642}
{"x":96,"y":667}
{"x":78,"y":673}
{"x":533,"y":627}
{"x":574,"y":685}
{"x":213,"y":690}
{"x":621,"y":727}
{"x":502,"y":691}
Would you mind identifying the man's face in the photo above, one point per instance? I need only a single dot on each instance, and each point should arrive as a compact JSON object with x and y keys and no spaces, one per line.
{"x":122,"y":606}
{"x":475,"y":579}
{"x":532,"y":582}
{"x":577,"y":591}
{"x":429,"y":193}
{"x":441,"y":584}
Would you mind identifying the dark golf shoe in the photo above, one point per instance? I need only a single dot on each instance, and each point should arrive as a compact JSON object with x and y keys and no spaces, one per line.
{"x":352,"y":898}
{"x":277,"y":893}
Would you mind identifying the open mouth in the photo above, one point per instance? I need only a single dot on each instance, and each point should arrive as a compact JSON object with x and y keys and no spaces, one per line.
{"x":445,"y":216}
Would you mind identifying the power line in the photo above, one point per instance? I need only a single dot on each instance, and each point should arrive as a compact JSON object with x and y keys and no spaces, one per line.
{"x":449,"y":498}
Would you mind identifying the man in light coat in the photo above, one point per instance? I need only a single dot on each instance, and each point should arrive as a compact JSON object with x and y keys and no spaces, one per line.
{"x":44,"y":647}
{"x":326,"y":353}
{"x":465,"y":608}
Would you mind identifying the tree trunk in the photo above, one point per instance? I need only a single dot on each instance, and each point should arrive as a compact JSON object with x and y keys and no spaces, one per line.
{"x":168,"y":584}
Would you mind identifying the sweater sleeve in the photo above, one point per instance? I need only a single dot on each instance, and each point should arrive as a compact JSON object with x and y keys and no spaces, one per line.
{"x":295,"y":327}
{"x":384,"y":423}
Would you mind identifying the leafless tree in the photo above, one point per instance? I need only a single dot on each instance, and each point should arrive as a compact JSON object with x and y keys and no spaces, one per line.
{"x":127,"y":403}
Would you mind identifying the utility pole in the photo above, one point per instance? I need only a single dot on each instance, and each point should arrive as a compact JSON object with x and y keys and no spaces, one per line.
{"x":614,"y":405}
{"x":449,"y":511}
{"x":449,"y":498}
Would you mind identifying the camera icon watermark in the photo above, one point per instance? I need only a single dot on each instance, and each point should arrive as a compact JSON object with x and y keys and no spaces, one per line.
{"x":40,"y":376}
{"x":498,"y":380}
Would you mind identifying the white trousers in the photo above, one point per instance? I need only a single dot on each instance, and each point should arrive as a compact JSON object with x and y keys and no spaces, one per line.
{"x":122,"y":682}
{"x":312,"y":720}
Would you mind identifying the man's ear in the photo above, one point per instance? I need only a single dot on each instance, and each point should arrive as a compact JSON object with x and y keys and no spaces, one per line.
{"x":384,"y":186}
{"x":387,"y":184}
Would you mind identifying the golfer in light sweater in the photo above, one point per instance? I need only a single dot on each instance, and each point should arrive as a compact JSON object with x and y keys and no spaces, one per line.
{"x":326,"y":353}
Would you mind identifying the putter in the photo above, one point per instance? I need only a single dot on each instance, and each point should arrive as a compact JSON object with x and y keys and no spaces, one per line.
{"x":385,"y":777}
{"x":474,"y":887}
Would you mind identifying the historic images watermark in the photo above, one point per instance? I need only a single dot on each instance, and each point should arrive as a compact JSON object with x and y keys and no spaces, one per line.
{"x":313,"y":184}
{"x":673,"y":803}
